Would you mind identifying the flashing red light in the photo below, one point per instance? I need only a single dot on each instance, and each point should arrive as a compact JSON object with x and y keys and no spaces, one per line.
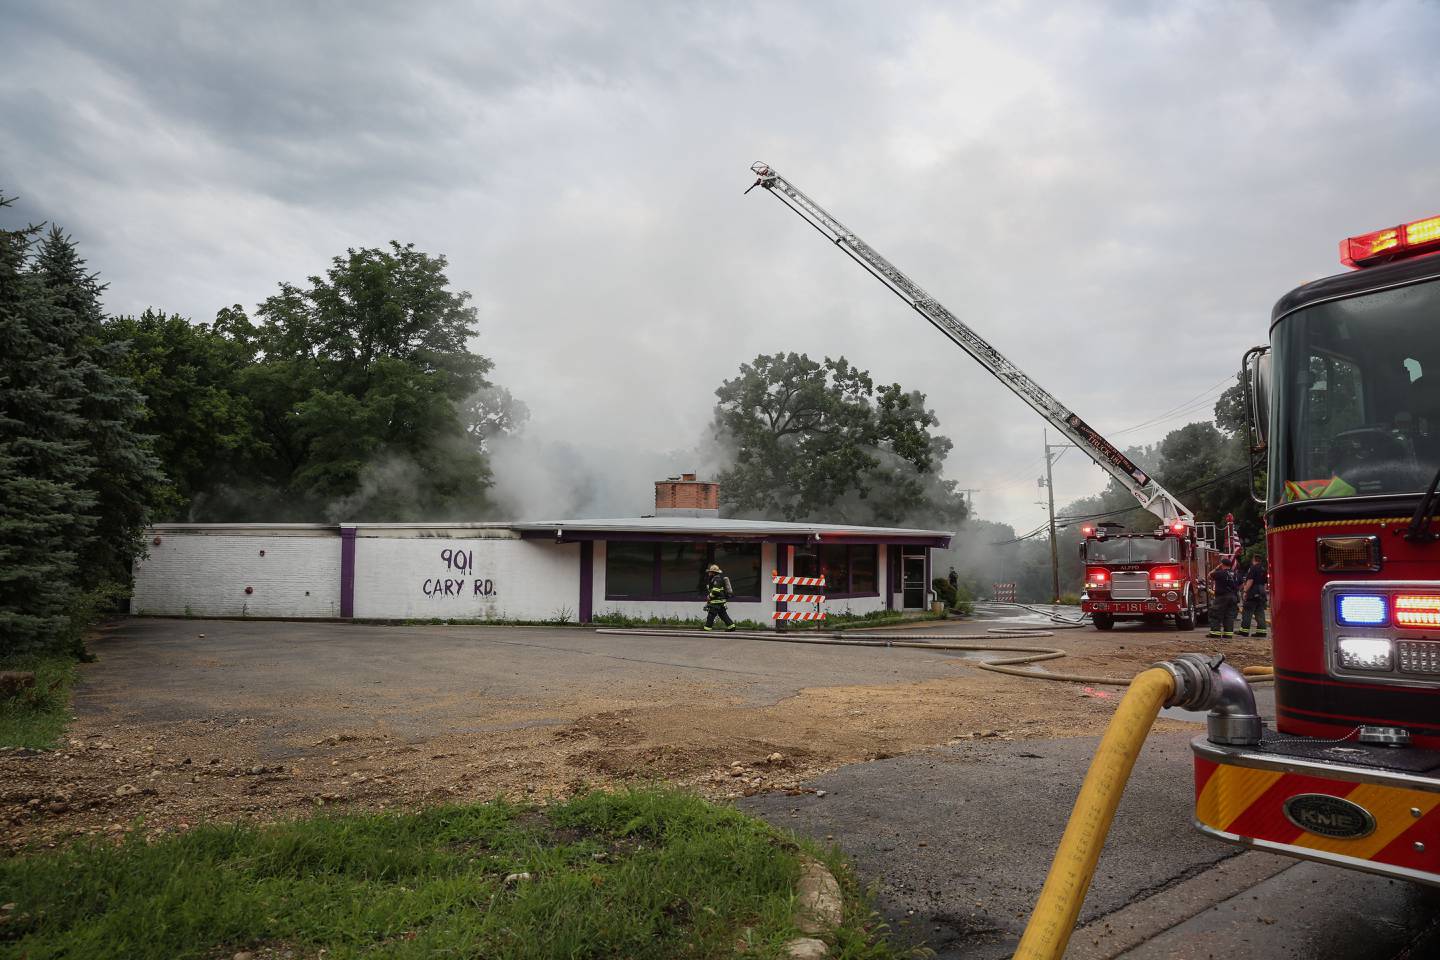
{"x":1392,"y":243}
{"x":1167,"y":576}
{"x":1412,"y":610}
{"x":1087,"y":531}
{"x":1177,"y":527}
{"x":1095,"y":577}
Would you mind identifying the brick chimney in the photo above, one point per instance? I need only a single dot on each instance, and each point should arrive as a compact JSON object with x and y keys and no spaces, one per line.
{"x":684,"y":496}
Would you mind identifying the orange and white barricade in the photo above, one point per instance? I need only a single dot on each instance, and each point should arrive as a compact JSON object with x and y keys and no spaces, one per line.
{"x":808,"y":598}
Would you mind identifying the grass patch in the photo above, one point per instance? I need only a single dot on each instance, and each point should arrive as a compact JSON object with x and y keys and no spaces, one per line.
{"x":688,"y":623}
{"x":639,"y":874}
{"x":36,"y":718}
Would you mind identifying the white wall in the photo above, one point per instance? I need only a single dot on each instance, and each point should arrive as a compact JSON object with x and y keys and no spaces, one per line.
{"x":490,"y":575}
{"x":205,"y":574}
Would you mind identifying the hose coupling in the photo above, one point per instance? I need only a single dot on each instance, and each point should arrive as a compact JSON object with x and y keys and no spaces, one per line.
{"x":1207,"y":682}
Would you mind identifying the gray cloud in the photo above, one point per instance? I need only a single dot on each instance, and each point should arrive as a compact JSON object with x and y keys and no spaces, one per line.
{"x":1115,"y":194}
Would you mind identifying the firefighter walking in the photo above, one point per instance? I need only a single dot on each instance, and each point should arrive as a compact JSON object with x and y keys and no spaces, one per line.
{"x":717,"y":595}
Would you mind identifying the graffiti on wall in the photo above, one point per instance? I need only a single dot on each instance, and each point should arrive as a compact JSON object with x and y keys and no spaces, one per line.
{"x":460,"y":579}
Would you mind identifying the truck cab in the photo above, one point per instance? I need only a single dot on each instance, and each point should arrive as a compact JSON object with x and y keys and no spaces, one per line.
{"x":1346,"y":401}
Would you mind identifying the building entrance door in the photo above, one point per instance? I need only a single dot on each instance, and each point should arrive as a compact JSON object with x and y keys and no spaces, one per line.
{"x":913,"y":580}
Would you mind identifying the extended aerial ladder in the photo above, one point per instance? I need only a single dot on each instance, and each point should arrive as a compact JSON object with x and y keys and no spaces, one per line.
{"x":1145,"y":488}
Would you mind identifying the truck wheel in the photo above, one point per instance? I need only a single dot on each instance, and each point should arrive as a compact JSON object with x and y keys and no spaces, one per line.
{"x":1185,"y":619}
{"x":1103,"y":621}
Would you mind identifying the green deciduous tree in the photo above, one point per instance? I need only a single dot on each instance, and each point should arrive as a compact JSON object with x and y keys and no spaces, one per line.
{"x":353,"y":397}
{"x":810,"y":440}
{"x":203,"y":427}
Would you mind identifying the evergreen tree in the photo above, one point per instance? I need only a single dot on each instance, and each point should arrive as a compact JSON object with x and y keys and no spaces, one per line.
{"x":125,"y":478}
{"x":45,"y":466}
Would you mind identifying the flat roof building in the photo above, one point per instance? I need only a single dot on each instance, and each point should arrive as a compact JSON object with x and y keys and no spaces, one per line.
{"x":563,"y":570}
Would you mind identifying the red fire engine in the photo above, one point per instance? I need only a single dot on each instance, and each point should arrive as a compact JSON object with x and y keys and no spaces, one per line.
{"x":1346,"y":402}
{"x":1148,"y":576}
{"x":1351,"y":422}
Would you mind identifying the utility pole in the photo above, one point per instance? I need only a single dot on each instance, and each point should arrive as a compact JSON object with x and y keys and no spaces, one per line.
{"x":1050,"y":489}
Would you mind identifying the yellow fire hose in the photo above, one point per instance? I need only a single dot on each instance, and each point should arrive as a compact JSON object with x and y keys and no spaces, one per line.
{"x":1048,"y":931}
{"x":1051,"y":924}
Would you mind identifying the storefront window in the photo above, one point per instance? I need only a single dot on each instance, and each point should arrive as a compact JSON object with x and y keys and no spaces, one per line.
{"x":835,"y":566}
{"x":676,"y":571}
{"x":850,"y":570}
{"x":682,"y":570}
{"x":865,"y":569}
{"x":741,"y":563}
{"x":629,"y":570}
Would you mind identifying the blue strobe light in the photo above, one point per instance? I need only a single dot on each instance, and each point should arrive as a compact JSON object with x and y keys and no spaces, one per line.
{"x":1361,"y":610}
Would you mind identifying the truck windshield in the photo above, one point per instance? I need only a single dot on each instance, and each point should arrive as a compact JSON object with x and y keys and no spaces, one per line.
{"x":1113,"y":550}
{"x":1132,"y":550}
{"x":1150,"y":550}
{"x":1357,"y":396}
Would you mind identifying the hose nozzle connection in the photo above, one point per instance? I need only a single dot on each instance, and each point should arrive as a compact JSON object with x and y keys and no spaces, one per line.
{"x":1209,"y":683}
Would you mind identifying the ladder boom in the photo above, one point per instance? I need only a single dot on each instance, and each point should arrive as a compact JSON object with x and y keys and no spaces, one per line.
{"x":1146,"y":490}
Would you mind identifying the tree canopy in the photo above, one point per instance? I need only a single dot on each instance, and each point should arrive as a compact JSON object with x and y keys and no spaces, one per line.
{"x":810,"y":440}
{"x":352,"y":397}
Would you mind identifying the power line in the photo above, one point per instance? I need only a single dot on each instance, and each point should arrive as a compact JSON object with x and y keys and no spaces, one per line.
{"x":1114,"y":513}
{"x":1194,"y":401}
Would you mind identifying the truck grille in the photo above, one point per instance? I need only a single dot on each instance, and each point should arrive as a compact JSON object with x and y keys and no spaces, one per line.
{"x":1130,"y":585}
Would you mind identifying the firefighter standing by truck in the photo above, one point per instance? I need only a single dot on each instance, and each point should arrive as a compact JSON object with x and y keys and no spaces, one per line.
{"x":1226,"y":593}
{"x":717,"y":594}
{"x":1253,"y":597}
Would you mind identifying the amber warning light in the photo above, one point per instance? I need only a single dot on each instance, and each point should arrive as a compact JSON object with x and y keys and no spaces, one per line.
{"x":1393,"y":243}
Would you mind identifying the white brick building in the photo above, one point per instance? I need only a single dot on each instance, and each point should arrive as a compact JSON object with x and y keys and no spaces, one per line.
{"x":570,"y":570}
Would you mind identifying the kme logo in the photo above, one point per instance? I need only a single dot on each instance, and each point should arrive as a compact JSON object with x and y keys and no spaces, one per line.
{"x":1328,"y":816}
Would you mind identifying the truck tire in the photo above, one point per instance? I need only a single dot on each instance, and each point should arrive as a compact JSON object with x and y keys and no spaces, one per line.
{"x":1103,"y":621}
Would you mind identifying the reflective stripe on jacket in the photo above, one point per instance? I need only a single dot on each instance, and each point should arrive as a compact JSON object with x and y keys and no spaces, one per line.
{"x":719,"y":591}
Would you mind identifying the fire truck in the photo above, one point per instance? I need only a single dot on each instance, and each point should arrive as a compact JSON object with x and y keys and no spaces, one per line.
{"x":1345,"y":403}
{"x":1150,"y":576}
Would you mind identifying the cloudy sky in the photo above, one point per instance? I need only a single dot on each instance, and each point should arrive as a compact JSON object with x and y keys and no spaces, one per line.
{"x":1114,"y":194}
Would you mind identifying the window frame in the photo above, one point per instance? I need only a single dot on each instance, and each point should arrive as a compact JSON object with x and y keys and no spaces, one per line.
{"x":656,"y":595}
{"x":849,"y":593}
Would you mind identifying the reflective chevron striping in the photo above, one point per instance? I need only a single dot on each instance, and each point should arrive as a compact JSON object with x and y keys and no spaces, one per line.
{"x":1250,"y":802}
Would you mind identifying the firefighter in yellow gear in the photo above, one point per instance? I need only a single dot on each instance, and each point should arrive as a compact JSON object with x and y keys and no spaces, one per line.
{"x":717,"y":594}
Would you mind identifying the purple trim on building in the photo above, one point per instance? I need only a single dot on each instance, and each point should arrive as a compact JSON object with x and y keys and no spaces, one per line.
{"x":782,"y":567}
{"x":347,"y":571}
{"x":925,"y":604}
{"x":892,"y":557}
{"x":587,"y":580}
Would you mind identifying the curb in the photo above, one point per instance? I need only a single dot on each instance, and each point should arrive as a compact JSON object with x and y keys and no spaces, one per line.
{"x":818,"y":907}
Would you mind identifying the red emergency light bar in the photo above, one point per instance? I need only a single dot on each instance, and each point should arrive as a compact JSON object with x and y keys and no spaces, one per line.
{"x":1393,"y":243}
{"x":1417,"y":611}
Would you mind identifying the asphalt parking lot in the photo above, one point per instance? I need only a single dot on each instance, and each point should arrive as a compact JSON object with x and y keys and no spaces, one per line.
{"x":947,"y":785}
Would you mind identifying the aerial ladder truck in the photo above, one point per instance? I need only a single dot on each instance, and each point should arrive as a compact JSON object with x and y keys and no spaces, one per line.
{"x":1345,"y":409}
{"x":1138,"y":575}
